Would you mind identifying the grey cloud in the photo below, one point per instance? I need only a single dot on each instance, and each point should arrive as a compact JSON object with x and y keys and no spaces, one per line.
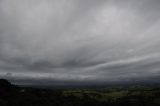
{"x":79,"y":40}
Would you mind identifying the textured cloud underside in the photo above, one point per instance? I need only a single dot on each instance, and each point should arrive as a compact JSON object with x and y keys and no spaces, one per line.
{"x":79,"y":40}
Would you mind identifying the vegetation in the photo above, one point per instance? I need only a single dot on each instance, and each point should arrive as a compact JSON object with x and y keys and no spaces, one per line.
{"x":11,"y":95}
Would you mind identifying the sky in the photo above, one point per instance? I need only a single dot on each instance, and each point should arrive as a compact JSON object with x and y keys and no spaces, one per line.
{"x":65,"y":41}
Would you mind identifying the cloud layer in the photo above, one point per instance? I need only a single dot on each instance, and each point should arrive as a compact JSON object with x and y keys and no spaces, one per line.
{"x":89,"y":40}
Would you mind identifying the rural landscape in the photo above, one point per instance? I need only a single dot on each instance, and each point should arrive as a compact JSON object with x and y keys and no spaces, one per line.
{"x":79,"y":52}
{"x":128,"y":95}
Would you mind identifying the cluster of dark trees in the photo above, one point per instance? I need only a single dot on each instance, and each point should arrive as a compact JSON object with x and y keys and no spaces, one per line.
{"x":11,"y":95}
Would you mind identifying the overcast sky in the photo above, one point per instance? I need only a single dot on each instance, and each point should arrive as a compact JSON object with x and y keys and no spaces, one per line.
{"x":79,"y":40}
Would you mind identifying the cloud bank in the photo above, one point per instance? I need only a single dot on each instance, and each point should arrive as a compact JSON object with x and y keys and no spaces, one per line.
{"x":75,"y":40}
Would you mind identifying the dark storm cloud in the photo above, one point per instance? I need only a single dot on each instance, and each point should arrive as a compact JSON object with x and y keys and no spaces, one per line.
{"x":91,"y":40}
